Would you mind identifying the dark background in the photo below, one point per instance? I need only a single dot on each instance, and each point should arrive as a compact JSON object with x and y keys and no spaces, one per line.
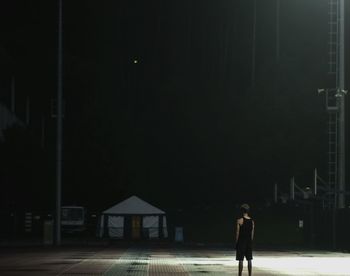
{"x":185,"y":127}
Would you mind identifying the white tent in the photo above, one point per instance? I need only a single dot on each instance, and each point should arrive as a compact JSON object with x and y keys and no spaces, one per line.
{"x":133,"y":218}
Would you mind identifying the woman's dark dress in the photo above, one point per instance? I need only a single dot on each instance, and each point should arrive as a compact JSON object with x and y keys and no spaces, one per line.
{"x":244,"y":243}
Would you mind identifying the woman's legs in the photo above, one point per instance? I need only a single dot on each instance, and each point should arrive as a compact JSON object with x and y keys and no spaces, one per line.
{"x":250,"y":267}
{"x":240,"y":268}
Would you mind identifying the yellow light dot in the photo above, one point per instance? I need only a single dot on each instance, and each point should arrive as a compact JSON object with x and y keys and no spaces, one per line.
{"x":135,"y":61}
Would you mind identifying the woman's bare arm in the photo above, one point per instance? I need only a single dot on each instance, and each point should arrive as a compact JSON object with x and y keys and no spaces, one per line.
{"x":237,"y":230}
{"x":253,"y":230}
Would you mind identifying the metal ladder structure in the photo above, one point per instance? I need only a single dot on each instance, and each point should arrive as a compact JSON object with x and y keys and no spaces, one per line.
{"x":332,"y":105}
{"x":335,"y":105}
{"x":333,"y":36}
{"x":332,"y":158}
{"x":335,"y":192}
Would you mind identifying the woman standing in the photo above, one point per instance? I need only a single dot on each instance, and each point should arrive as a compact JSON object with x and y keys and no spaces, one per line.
{"x":244,"y":237}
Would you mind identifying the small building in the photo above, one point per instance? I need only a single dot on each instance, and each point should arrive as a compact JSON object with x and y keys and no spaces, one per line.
{"x":133,"y":219}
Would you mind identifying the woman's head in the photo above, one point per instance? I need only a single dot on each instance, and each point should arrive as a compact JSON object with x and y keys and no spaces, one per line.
{"x":245,"y":208}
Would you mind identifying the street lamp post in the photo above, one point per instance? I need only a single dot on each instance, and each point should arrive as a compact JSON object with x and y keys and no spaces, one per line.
{"x":341,"y":104}
{"x":59,"y":127}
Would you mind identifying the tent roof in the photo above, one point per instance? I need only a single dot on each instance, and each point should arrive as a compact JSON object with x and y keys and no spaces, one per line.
{"x":133,"y":205}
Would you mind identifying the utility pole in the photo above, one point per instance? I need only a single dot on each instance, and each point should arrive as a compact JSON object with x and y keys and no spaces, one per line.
{"x":59,"y":127}
{"x":278,"y":31}
{"x":254,"y":45}
{"x":341,"y":105}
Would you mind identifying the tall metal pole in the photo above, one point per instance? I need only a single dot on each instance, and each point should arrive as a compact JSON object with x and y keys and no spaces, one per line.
{"x":254,"y":45}
{"x":59,"y":127}
{"x":278,"y":31}
{"x":341,"y":105}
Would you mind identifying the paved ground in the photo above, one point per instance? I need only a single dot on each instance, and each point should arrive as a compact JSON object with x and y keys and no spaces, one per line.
{"x":112,"y":261}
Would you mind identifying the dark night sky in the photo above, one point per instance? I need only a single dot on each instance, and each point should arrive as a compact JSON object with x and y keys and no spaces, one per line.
{"x":185,"y":121}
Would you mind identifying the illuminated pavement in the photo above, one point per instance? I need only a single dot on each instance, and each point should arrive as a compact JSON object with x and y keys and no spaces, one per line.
{"x":147,"y":261}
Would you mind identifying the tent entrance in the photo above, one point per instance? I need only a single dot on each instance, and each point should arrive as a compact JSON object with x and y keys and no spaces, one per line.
{"x":136,"y":227}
